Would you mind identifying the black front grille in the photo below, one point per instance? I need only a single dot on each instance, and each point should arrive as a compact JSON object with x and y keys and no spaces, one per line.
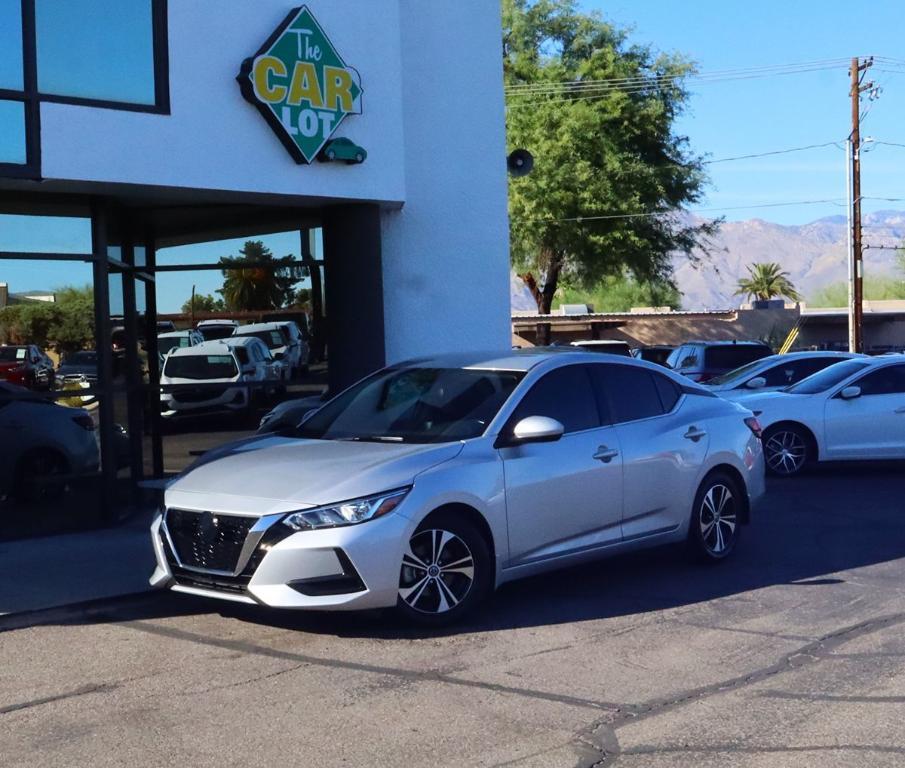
{"x":198,"y":395}
{"x":207,"y":540}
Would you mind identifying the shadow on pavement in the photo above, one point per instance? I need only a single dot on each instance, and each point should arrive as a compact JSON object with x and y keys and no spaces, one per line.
{"x":804,"y":532}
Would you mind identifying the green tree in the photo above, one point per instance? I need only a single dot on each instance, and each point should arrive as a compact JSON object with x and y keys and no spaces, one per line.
{"x":611,"y":176}
{"x":257,"y":280}
{"x":66,"y":324}
{"x":619,"y":293}
{"x":204,"y":303}
{"x":767,"y":281}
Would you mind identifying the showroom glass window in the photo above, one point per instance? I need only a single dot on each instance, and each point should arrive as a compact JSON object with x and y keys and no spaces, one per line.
{"x":96,"y":49}
{"x":96,"y":53}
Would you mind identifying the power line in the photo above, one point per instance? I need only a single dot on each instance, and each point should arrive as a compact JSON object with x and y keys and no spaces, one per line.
{"x":648,"y":214}
{"x":593,"y":90}
{"x":765,"y":71}
{"x":836,"y":144}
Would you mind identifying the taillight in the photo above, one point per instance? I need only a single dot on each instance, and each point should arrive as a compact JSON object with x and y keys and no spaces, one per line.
{"x":704,"y":377}
{"x":84,"y":421}
{"x":754,"y":426}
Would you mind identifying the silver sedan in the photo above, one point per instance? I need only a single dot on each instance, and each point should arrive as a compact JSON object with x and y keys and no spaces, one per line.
{"x":429,"y":484}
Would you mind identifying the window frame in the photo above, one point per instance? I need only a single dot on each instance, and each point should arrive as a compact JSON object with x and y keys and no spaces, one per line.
{"x":32,"y":97}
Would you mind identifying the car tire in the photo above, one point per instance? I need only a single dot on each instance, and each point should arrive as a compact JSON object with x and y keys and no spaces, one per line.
{"x":331,"y":155}
{"x":715,"y":518}
{"x":359,"y":158}
{"x":787,"y":450}
{"x":446,"y":571}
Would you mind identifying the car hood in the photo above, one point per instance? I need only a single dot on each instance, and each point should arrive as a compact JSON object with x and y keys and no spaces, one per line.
{"x":275,"y":474}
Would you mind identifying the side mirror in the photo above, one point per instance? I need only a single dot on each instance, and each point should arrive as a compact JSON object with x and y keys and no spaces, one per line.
{"x":537,"y":429}
{"x":758,"y":382}
{"x":851,"y":393}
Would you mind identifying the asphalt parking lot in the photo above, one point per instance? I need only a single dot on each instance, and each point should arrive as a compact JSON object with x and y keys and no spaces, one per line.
{"x":790,"y":655}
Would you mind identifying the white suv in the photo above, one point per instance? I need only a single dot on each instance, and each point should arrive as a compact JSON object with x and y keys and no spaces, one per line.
{"x":210,"y":378}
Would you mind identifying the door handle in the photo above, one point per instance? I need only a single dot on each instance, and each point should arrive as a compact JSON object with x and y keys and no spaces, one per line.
{"x":694,"y":434}
{"x":606,"y":455}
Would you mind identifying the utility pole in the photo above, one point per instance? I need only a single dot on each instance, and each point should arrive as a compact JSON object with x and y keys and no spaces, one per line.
{"x":856,"y":334}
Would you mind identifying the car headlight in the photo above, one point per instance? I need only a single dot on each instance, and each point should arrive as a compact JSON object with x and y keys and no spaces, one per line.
{"x":347,"y":512}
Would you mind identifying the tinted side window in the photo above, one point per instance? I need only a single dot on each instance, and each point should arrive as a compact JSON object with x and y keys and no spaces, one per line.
{"x":669,"y":392}
{"x":784,"y":374}
{"x":632,"y":393}
{"x":242,"y":355}
{"x":729,"y":357}
{"x":565,"y":395}
{"x":886,"y":381}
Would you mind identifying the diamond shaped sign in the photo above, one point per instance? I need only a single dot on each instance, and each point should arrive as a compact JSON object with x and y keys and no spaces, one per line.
{"x":301,"y":85}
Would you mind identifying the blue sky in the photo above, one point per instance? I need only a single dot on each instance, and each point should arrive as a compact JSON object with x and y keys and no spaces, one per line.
{"x":741,"y":117}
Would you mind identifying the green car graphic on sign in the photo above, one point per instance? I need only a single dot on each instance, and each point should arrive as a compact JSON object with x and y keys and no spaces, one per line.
{"x":301,"y":85}
{"x":343,"y":149}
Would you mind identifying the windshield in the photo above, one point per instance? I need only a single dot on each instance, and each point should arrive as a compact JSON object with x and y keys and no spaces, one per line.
{"x":415,"y":405}
{"x":164,"y":345}
{"x":828,"y":377}
{"x":12,"y":354}
{"x":737,"y":375}
{"x":201,"y":367}
{"x":273,"y":339}
{"x":216,"y":332}
{"x":81,"y":358}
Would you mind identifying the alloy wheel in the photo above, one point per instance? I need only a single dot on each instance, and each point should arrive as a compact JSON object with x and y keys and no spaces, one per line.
{"x":438,"y":572}
{"x":786,"y":452}
{"x":717,"y":519}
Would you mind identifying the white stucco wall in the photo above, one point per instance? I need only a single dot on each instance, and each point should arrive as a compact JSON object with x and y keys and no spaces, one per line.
{"x":446,"y":253}
{"x":433,"y":125}
{"x":213,"y":138}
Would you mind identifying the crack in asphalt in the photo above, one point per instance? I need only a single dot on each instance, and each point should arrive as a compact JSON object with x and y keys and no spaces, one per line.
{"x":602,"y":733}
{"x":85,"y":690}
{"x":241,"y":683}
{"x":403,"y":674}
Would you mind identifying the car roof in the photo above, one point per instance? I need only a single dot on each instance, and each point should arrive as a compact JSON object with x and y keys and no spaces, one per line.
{"x":239,"y":341}
{"x":218,"y":347}
{"x":174,"y":334}
{"x":599,"y":343}
{"x":255,"y":327}
{"x":521,"y":360}
{"x":725,"y":343}
{"x":207,"y":323}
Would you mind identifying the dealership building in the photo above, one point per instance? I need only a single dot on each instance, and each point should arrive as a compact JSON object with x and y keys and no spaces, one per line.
{"x":373,"y":128}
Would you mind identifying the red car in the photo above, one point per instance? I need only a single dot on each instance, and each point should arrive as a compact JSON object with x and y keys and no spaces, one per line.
{"x":27,"y":366}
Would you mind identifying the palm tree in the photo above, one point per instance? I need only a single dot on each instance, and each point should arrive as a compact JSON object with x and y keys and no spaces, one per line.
{"x":255,"y":280}
{"x":767,"y":281}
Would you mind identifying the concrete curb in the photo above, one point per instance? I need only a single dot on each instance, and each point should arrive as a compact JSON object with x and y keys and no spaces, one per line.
{"x":63,"y":614}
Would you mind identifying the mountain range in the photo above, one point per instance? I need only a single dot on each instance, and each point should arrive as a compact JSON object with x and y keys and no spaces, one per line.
{"x":813,"y":254}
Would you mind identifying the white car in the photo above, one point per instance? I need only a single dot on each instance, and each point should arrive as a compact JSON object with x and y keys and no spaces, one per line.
{"x":429,"y":484}
{"x":257,"y":364}
{"x":772,"y":373}
{"x":208,"y":378}
{"x":277,"y":340}
{"x":214,"y":330}
{"x":300,"y":342}
{"x":852,"y":410}
{"x":166,"y":342}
